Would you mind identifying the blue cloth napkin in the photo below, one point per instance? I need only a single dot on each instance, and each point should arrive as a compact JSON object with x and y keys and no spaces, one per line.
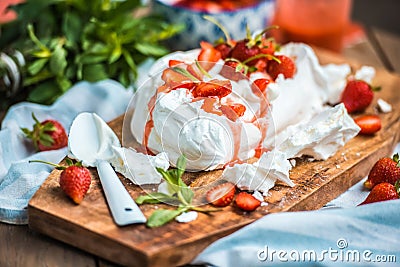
{"x":19,"y":179}
{"x":340,"y":234}
{"x":368,"y":235}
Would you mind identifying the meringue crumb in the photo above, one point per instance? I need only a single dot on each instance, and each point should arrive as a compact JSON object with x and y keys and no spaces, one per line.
{"x":293,"y":162}
{"x":264,"y":204}
{"x":257,"y":195}
{"x":358,"y":154}
{"x":337,"y":166}
{"x":384,"y":106}
{"x":186,"y":217}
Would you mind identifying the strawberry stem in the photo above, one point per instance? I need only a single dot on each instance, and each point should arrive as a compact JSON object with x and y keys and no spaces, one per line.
{"x":58,"y":167}
{"x":397,"y":186}
{"x":205,"y":73}
{"x":396,"y":159}
{"x":185,"y":73}
{"x":219,"y":25}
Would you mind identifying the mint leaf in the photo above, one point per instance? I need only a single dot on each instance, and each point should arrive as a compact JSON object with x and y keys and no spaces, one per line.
{"x":180,"y":166}
{"x":156,"y":197}
{"x":162,"y":216}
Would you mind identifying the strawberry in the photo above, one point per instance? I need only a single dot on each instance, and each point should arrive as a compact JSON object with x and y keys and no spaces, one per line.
{"x":261,"y":84}
{"x":208,"y":54}
{"x":247,"y":202}
{"x":369,"y":124}
{"x":75,"y":179}
{"x":383,"y":192}
{"x":225,"y":50}
{"x":219,"y":88}
{"x":233,"y":70}
{"x":221,"y":195}
{"x":241,"y":51}
{"x":284,"y":65}
{"x":357,"y":95}
{"x":173,"y":63}
{"x":233,"y":111}
{"x":384,"y":170}
{"x":47,"y":135}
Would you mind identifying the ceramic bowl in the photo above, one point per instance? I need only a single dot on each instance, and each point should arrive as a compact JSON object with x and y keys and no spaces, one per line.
{"x":197,"y":29}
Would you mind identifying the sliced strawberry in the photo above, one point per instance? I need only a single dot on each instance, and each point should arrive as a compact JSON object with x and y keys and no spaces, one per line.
{"x":238,"y":108}
{"x":221,"y":195}
{"x":208,"y":54}
{"x":219,"y":88}
{"x":231,"y":71}
{"x":261,"y":84}
{"x":174,"y":79}
{"x":233,"y":111}
{"x":261,"y":65}
{"x":369,"y":124}
{"x":173,"y":63}
{"x":286,"y":66}
{"x":247,"y":202}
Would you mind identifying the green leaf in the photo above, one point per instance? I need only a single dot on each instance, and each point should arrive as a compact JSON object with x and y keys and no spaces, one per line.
{"x":187,"y":194}
{"x":72,"y":26}
{"x":94,"y":72}
{"x":156,"y":197}
{"x":181,"y":166}
{"x":45,"y":92}
{"x":149,"y":49}
{"x":162,"y":216}
{"x":63,"y":83}
{"x":167,"y":175}
{"x":58,"y":61}
{"x":37,"y":66}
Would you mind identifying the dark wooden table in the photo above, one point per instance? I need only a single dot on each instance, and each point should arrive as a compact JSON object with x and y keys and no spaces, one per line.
{"x":20,"y":246}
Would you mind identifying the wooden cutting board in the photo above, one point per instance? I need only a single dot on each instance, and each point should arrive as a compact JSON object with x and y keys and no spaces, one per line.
{"x":90,"y":227}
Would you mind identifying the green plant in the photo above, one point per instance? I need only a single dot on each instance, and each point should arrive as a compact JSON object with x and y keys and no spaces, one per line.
{"x":65,"y":41}
{"x":180,"y":195}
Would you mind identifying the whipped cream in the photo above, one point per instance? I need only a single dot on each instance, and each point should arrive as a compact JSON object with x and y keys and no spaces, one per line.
{"x":181,"y":126}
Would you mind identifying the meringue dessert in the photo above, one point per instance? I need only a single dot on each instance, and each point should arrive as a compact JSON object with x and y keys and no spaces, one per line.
{"x":221,"y":120}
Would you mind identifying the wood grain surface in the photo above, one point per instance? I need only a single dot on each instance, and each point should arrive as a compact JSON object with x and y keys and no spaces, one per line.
{"x":90,"y":227}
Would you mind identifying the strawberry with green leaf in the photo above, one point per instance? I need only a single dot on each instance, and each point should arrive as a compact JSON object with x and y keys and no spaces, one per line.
{"x":383,"y":192}
{"x":47,"y":135}
{"x":75,"y":179}
{"x":384,"y":170}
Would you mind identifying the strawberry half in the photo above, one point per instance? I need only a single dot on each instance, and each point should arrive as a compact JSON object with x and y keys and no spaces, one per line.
{"x":384,"y":170}
{"x":218,"y":88}
{"x":221,"y":195}
{"x":47,"y":135}
{"x":369,"y":124}
{"x":383,"y":192}
{"x":247,"y":202}
{"x":283,"y":65}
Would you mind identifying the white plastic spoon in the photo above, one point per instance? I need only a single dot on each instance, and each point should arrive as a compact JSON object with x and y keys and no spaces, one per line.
{"x":90,"y":140}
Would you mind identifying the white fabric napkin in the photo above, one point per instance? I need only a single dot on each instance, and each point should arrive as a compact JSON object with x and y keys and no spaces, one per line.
{"x":19,"y":179}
